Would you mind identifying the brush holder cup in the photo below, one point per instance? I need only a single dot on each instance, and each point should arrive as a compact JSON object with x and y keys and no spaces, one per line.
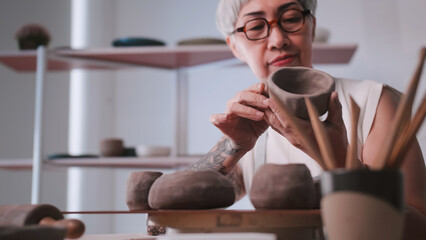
{"x":362,"y":204}
{"x":290,"y":86}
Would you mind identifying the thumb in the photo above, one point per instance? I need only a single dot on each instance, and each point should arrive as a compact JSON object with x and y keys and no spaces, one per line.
{"x":334,"y":110}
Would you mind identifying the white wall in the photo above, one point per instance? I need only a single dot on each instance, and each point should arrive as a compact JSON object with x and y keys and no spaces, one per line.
{"x":17,"y":102}
{"x":389,"y":34}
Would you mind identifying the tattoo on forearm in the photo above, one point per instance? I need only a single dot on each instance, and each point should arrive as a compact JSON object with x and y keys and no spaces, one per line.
{"x":215,"y":158}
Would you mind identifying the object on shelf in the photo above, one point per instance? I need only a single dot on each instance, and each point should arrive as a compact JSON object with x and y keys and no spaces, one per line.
{"x":111,"y":147}
{"x":31,"y":36}
{"x":321,"y":35}
{"x":290,"y":86}
{"x":351,"y":196}
{"x":137,"y":189}
{"x":295,"y":191}
{"x":201,"y":41}
{"x":191,"y":190}
{"x":129,"y":152}
{"x":67,"y":155}
{"x":137,"y":42}
{"x":152,"y":151}
{"x":41,"y":214}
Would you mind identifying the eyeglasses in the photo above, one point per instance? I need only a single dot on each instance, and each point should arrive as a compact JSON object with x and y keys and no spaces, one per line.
{"x":290,"y":21}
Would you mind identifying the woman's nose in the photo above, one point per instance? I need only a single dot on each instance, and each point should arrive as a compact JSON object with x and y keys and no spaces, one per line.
{"x":277,"y":37}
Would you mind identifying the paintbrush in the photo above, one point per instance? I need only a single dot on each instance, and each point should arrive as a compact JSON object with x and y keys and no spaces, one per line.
{"x":403,"y":144}
{"x":400,"y":121}
{"x":352,"y":152}
{"x":321,"y":136}
{"x":305,"y":140}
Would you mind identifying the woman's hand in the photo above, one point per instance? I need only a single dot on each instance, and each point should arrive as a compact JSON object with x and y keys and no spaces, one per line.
{"x":334,"y":126}
{"x":243,"y":121}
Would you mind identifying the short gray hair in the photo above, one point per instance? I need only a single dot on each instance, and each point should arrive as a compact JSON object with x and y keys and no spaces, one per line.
{"x":228,"y":10}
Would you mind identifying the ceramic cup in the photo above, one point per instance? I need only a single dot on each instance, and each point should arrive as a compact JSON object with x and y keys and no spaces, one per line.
{"x":138,"y":186}
{"x":111,"y":147}
{"x":290,"y":86}
{"x":362,"y":204}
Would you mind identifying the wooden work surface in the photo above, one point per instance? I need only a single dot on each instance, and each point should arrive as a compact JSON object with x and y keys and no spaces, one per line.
{"x":237,"y":218}
{"x":223,"y":218}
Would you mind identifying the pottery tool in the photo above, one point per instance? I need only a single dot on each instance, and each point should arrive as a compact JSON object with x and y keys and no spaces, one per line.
{"x":321,"y":136}
{"x":40,"y":214}
{"x":352,"y":152}
{"x":305,"y":140}
{"x":403,"y":112}
{"x":402,"y":145}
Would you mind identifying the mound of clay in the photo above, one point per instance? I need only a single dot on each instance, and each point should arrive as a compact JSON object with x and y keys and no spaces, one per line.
{"x":288,"y":186}
{"x":191,"y":190}
{"x":138,"y":186}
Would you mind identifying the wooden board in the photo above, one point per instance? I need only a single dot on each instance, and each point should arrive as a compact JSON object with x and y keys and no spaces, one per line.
{"x":237,"y":218}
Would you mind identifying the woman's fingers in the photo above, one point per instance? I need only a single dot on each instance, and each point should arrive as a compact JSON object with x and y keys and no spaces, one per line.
{"x":248,"y":98}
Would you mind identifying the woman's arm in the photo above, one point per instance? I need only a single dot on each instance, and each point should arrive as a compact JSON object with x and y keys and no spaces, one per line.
{"x":413,"y":167}
{"x":223,"y":158}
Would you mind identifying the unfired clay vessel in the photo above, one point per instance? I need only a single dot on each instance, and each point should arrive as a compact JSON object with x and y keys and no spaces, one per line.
{"x":111,"y":147}
{"x":191,"y":190}
{"x":283,"y":186}
{"x":138,"y":186}
{"x":290,"y":85}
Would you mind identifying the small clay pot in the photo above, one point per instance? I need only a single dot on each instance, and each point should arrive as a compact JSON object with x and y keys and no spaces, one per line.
{"x":31,"y":36}
{"x":138,"y":186}
{"x":362,"y":204}
{"x":191,"y":190}
{"x":111,"y":147}
{"x":283,"y":186}
{"x":290,"y":86}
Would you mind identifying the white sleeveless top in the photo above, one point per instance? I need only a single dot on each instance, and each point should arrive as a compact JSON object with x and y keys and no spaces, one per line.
{"x":272,"y":147}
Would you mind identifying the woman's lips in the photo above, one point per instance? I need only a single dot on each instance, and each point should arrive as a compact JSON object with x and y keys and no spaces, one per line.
{"x":282,"y":61}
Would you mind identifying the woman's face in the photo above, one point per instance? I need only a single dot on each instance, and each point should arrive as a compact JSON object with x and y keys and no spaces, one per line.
{"x":280,"y":49}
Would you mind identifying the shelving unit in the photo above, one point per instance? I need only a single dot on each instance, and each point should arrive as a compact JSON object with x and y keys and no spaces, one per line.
{"x":175,"y":58}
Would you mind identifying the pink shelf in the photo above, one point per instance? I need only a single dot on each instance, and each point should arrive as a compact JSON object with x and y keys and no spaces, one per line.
{"x":26,"y":61}
{"x":125,"y":162}
{"x":160,"y":57}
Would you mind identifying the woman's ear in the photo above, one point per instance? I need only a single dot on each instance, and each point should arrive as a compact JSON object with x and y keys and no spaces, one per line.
{"x":234,"y":48}
{"x":314,"y":25}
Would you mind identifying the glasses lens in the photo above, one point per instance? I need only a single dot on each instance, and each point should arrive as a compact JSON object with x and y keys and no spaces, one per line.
{"x":256,"y":29}
{"x":292,"y":20}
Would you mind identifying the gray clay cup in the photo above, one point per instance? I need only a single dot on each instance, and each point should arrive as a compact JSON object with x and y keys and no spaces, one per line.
{"x":138,"y":186}
{"x":111,"y":147}
{"x":283,"y":186}
{"x":290,"y":86}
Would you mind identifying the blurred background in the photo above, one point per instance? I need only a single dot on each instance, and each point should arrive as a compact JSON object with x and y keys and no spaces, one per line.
{"x":137,"y":104}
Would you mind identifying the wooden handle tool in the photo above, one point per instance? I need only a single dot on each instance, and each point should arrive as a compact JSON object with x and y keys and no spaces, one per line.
{"x":403,"y":144}
{"x":402,"y":116}
{"x":321,"y":136}
{"x":301,"y":133}
{"x":352,"y":153}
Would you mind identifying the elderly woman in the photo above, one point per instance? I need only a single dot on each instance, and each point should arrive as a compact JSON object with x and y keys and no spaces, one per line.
{"x":268,"y":35}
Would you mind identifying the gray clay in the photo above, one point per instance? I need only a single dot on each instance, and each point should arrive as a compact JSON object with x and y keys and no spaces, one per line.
{"x":191,"y":190}
{"x":288,"y":186}
{"x":138,"y":186}
{"x":290,"y":85}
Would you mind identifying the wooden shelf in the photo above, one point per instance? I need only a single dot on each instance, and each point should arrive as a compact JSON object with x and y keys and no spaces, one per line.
{"x":159,"y":57}
{"x":119,"y":162}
